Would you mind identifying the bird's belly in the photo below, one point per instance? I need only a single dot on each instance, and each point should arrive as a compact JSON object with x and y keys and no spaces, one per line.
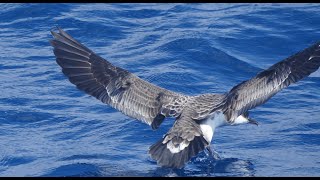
{"x":207,"y":131}
{"x":209,"y":125}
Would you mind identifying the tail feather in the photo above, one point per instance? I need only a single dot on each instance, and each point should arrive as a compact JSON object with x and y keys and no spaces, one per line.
{"x":166,"y":158}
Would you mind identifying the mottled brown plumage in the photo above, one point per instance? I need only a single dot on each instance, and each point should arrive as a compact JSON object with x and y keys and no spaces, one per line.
{"x":113,"y":85}
{"x":256,"y":91}
{"x":151,"y":104}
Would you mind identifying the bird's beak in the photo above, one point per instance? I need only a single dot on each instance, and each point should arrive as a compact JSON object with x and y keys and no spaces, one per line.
{"x":252,"y":121}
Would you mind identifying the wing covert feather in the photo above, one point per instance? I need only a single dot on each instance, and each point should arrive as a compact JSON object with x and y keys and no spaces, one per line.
{"x":267,"y":83}
{"x":113,"y":85}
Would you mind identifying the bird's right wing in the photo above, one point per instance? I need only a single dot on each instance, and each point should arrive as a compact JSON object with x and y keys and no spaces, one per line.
{"x":113,"y":85}
{"x":267,"y":83}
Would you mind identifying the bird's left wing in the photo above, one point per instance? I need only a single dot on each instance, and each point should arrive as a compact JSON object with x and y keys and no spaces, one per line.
{"x":267,"y":83}
{"x":113,"y":85}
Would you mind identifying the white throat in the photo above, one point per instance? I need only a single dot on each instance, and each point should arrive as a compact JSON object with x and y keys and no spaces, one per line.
{"x":240,"y":120}
{"x":209,"y":125}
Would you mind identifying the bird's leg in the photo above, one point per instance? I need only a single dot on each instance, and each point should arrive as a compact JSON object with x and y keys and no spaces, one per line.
{"x":212,"y":153}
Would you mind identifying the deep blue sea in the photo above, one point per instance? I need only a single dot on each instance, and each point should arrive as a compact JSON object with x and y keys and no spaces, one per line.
{"x":50,"y":128}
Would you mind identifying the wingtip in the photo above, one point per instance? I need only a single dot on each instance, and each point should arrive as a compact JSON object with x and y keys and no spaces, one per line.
{"x":60,"y":30}
{"x":54,"y":34}
{"x":52,"y":31}
{"x":56,"y":28}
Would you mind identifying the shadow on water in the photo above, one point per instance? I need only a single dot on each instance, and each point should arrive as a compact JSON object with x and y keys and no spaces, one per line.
{"x":77,"y":169}
{"x":199,"y":166}
{"x":202,"y":165}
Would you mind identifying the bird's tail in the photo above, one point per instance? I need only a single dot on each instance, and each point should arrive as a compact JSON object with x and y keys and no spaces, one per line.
{"x":161,"y":152}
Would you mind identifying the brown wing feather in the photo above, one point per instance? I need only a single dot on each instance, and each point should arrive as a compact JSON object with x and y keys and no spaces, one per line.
{"x":262,"y":87}
{"x":113,"y":85}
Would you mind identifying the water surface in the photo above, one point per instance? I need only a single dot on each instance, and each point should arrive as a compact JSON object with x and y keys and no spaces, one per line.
{"x":49,"y":128}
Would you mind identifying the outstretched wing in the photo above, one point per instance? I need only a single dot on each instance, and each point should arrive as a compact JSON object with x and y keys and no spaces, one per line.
{"x":183,"y":141}
{"x":113,"y":85}
{"x":267,"y":83}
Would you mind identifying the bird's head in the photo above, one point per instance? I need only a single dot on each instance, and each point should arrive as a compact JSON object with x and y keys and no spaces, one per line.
{"x":244,"y":118}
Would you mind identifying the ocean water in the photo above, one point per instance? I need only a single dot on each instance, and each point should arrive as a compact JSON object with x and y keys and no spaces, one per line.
{"x":50,"y":128}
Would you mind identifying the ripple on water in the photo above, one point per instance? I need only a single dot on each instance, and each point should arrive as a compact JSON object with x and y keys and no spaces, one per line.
{"x":49,"y":128}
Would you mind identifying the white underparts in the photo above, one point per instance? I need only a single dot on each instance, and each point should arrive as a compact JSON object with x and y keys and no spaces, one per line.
{"x":209,"y":125}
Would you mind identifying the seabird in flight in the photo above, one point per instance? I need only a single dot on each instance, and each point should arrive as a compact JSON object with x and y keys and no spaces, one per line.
{"x":196,"y":117}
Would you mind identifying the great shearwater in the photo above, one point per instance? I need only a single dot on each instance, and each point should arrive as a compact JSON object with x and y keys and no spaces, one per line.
{"x":196,"y":117}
